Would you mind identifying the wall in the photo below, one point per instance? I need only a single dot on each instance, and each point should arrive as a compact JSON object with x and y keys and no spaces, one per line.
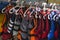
{"x":54,"y":1}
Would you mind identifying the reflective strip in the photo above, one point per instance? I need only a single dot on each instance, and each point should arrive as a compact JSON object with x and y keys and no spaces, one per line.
{"x":38,"y":9}
{"x":8,"y":31}
{"x":59,"y":15}
{"x":11,"y":22}
{"x":54,"y":17}
{"x":57,"y":18}
{"x":9,"y":28}
{"x":48,"y":17}
{"x":52,"y":13}
{"x":10,"y":25}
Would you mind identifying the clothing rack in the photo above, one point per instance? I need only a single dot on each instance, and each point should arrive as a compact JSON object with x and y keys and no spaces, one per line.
{"x":37,"y":20}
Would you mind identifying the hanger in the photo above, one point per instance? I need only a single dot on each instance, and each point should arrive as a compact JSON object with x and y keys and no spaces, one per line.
{"x":44,"y":6}
{"x":36,"y":4}
{"x":3,"y":10}
{"x":22,"y":4}
{"x":44,"y":9}
{"x":14,"y":10}
{"x":7,"y":8}
{"x":17,"y":6}
{"x":28,"y":8}
{"x":55,"y":6}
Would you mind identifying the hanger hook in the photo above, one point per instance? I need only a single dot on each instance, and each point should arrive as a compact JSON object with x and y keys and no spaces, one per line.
{"x":44,"y":6}
{"x":3,"y":10}
{"x":22,"y":3}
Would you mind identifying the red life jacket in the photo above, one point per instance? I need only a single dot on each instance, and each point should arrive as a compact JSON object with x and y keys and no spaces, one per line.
{"x":5,"y":34}
{"x":38,"y":30}
{"x":45,"y":26}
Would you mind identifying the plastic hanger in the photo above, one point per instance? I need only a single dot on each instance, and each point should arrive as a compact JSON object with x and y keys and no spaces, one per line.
{"x":7,"y":8}
{"x":17,"y":6}
{"x":36,"y":3}
{"x":44,"y":9}
{"x":22,"y":4}
{"x":28,"y":9}
{"x":55,"y":6}
{"x":3,"y":10}
{"x":44,"y":6}
{"x":14,"y":9}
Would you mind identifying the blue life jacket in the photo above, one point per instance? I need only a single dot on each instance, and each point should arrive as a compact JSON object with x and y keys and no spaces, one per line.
{"x":52,"y":26}
{"x":59,"y":29}
{"x":3,"y":4}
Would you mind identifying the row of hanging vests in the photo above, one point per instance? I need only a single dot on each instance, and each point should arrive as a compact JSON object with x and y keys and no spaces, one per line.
{"x":30,"y":23}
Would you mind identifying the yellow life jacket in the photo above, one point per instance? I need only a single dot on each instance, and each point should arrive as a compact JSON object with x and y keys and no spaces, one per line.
{"x":3,"y":19}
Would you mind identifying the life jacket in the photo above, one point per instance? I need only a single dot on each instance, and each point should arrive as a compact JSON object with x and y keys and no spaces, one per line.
{"x":52,"y":27}
{"x":56,"y":26}
{"x":12,"y":19}
{"x":29,"y":33}
{"x":5,"y":21}
{"x":33,"y":33}
{"x":3,"y":4}
{"x":37,"y":29}
{"x":59,"y":28}
{"x":43,"y":23}
{"x":34,"y":25}
{"x":46,"y":26}
{"x":5,"y":34}
{"x":22,"y":31}
{"x":10,"y":24}
{"x":19,"y":35}
{"x":56,"y":30}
